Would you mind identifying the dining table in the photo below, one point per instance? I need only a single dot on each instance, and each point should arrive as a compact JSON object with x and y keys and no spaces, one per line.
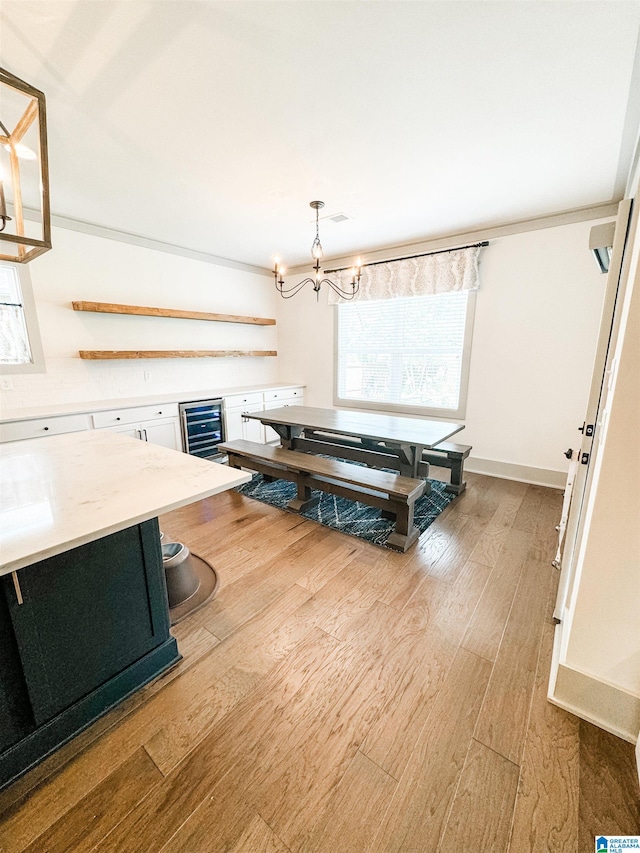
{"x":375,"y":439}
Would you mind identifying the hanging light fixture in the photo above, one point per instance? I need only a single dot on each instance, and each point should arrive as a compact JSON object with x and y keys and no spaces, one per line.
{"x":24,"y":171}
{"x":317,"y":280}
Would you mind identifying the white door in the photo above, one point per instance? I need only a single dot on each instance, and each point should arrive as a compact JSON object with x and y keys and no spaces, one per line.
{"x":592,"y":427}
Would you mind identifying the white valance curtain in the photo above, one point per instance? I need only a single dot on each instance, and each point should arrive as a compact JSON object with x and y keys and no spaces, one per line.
{"x":443,"y":272}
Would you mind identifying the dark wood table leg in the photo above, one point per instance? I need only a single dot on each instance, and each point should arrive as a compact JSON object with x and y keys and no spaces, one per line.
{"x":287,"y":433}
{"x":305,"y":499}
{"x":457,"y":484}
{"x":405,"y":533}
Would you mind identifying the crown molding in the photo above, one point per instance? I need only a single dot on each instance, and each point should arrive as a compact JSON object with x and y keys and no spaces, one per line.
{"x":83,"y":227}
{"x":521,"y":226}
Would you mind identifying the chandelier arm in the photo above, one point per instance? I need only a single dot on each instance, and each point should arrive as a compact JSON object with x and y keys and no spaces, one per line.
{"x":293,"y":291}
{"x":288,"y":292}
{"x":347,"y":294}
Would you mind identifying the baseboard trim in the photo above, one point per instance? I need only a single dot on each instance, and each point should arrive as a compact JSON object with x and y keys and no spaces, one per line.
{"x":512,"y":471}
{"x":608,"y":707}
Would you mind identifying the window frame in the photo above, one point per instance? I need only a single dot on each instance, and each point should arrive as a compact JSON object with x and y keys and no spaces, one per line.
{"x":37,"y":363}
{"x":458,"y":413}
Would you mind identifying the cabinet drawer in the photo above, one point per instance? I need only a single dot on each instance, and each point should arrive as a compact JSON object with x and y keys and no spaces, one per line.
{"x":241,"y":401}
{"x":114,"y":417}
{"x":39,"y":427}
{"x":283,"y":394}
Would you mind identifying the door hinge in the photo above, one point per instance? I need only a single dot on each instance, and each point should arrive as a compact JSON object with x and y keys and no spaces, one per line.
{"x":584,"y":459}
{"x":586,"y":429}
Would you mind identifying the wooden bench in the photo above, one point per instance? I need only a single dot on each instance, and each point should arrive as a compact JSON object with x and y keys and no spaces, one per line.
{"x":449,"y":455}
{"x":393,"y":494}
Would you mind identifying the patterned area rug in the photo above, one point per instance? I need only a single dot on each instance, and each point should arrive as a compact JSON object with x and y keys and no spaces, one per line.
{"x":350,"y":517}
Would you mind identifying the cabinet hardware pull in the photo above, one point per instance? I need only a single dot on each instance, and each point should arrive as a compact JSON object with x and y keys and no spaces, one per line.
{"x":16,"y":585}
{"x":146,"y":437}
{"x":117,"y":419}
{"x":45,"y":428}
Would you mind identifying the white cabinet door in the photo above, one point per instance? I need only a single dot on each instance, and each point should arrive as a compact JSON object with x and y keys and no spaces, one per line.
{"x":252,"y":430}
{"x":270,"y":435}
{"x":237,"y":426}
{"x":233,"y":424}
{"x":166,"y":433}
{"x":132,"y":430}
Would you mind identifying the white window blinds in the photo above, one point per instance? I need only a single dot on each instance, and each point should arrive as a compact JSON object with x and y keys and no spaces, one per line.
{"x":405,"y":352}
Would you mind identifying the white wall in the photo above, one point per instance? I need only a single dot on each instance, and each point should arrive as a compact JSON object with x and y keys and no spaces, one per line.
{"x":535,"y":332}
{"x":91,"y":268}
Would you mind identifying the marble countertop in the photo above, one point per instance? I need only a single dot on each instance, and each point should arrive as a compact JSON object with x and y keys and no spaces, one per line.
{"x":64,"y":490}
{"x":54,"y":409}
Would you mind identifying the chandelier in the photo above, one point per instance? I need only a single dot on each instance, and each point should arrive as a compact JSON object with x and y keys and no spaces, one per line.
{"x":25,"y":220}
{"x":317,"y":280}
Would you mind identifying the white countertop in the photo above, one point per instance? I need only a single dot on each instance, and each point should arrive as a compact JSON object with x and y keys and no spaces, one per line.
{"x":64,"y":490}
{"x":52,"y":410}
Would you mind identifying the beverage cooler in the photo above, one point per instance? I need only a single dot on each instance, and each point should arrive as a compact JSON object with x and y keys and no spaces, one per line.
{"x":202,"y":428}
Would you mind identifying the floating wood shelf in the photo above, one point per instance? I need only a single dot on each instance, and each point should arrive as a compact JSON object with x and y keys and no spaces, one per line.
{"x":145,"y":311}
{"x":99,"y":355}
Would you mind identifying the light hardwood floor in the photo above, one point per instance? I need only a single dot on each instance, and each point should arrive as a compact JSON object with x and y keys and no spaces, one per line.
{"x":336,"y":696}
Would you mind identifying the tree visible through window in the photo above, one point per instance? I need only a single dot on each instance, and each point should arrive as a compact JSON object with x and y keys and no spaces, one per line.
{"x":406,"y":353}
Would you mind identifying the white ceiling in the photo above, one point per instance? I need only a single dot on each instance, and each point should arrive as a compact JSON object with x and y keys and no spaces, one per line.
{"x":211,"y":125}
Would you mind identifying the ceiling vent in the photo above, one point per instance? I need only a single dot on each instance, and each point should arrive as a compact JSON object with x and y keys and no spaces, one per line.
{"x":336,"y":217}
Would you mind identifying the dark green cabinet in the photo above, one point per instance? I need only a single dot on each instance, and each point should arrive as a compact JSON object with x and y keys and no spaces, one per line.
{"x":16,"y":718}
{"x":93,"y":626}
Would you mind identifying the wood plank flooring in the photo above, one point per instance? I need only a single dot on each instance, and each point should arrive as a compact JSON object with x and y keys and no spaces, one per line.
{"x":336,"y":697}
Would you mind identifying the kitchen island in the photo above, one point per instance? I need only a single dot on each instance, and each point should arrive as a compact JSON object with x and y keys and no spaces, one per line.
{"x":84,"y":618}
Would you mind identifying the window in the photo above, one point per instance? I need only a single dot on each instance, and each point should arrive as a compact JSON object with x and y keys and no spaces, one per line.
{"x":20,"y":347}
{"x":407,"y":354}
